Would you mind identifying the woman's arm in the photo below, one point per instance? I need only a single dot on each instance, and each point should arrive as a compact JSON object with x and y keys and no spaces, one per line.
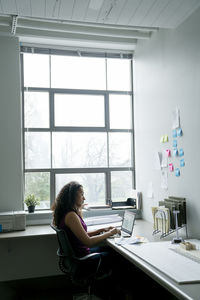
{"x":98,"y":231}
{"x":74,"y":223}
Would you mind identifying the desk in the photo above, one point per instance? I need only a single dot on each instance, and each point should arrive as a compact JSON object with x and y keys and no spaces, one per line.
{"x":143,"y":228}
{"x":183,"y":291}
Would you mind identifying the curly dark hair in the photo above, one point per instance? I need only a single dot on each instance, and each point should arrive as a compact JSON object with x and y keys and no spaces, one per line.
{"x":65,"y":201}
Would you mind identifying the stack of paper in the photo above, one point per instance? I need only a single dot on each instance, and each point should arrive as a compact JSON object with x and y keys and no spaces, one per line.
{"x":102,"y":219}
{"x":131,"y":240}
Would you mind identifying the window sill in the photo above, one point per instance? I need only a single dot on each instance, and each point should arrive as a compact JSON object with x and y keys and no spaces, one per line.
{"x":45,"y":217}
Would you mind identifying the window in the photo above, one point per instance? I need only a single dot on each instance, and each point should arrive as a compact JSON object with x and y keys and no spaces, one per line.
{"x":78,"y":125}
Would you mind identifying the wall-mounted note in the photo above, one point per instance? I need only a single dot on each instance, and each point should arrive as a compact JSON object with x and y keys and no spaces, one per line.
{"x":179,"y":132}
{"x":175,"y":152}
{"x":174,"y":143}
{"x":150,"y":190}
{"x":176,"y":119}
{"x":166,"y":138}
{"x":177,"y":172}
{"x":157,"y":160}
{"x":168,"y":152}
{"x":181,"y":152}
{"x":164,"y":180}
{"x":164,"y":160}
{"x":182,"y":162}
{"x":174,"y":133}
{"x":162,"y":139}
{"x":171,"y":167}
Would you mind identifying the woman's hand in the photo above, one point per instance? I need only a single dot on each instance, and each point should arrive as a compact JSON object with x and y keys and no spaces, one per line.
{"x":114,"y":231}
{"x":107,"y":229}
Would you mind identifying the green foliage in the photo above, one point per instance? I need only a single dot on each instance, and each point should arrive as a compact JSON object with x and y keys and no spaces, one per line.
{"x":31,"y":200}
{"x":38,"y":184}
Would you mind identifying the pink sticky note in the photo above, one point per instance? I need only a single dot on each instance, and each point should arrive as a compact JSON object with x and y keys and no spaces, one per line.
{"x":171,"y":167}
{"x":168,"y":152}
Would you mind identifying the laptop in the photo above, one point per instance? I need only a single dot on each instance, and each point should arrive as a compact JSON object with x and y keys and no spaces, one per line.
{"x":127,"y":224}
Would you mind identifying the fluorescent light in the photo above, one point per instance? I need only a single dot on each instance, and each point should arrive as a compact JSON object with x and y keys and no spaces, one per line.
{"x":95,"y":4}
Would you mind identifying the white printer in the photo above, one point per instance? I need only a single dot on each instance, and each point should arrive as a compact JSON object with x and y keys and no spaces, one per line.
{"x":12,"y":221}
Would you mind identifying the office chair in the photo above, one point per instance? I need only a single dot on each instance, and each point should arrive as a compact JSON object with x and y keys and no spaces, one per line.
{"x":76,"y":268}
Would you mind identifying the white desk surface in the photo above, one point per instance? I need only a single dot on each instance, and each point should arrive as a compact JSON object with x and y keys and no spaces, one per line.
{"x":143,"y":228}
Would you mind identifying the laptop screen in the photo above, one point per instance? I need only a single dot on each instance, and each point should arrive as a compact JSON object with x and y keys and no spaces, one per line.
{"x":128,"y":221}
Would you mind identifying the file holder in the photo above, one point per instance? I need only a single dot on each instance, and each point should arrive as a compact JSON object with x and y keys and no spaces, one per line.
{"x":160,"y":215}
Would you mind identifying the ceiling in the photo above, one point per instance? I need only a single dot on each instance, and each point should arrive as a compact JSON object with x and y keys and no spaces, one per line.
{"x":103,"y":24}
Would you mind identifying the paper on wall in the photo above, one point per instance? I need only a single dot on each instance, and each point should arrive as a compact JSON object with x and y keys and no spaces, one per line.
{"x":176,"y":119}
{"x":150,"y":190}
{"x":157,"y":160}
{"x":164,"y":179}
{"x":164,"y":160}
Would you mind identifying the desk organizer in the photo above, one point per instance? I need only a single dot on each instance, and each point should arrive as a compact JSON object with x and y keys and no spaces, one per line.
{"x":162,"y":222}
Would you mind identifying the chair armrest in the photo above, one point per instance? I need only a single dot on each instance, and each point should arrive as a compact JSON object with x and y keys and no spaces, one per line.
{"x":77,"y":258}
{"x":86,"y":256}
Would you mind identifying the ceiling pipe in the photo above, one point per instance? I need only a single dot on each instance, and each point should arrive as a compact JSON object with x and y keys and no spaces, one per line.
{"x":89,"y":30}
{"x":14,"y":25}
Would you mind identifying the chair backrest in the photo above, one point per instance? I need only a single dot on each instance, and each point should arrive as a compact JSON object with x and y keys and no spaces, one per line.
{"x":80,"y":270}
{"x":63,"y":241}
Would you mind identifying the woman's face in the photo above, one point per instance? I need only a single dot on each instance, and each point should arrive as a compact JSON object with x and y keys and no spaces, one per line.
{"x":80,"y":197}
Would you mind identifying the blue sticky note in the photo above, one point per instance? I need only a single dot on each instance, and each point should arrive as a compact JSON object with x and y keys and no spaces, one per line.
{"x":174,"y":133}
{"x":179,"y":132}
{"x":181,"y":152}
{"x":177,"y":172}
{"x":175,"y":152}
{"x":1,"y":228}
{"x":174,"y":143}
{"x":182,"y":163}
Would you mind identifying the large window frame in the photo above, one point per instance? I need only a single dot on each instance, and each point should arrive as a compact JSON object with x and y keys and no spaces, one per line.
{"x":52,"y":128}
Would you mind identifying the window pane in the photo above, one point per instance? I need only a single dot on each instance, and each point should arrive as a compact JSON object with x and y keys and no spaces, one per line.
{"x":37,"y":150}
{"x":79,"y":110}
{"x":78,"y":72}
{"x":36,"y":70}
{"x":38,"y":184}
{"x":120,"y":111}
{"x":36,"y":109}
{"x":121,"y":185}
{"x":118,"y":74}
{"x":120,"y":149}
{"x":79,"y":149}
{"x":93,"y":184}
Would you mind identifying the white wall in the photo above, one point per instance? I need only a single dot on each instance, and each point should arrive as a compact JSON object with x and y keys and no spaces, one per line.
{"x":167,"y":75}
{"x":10,"y":126}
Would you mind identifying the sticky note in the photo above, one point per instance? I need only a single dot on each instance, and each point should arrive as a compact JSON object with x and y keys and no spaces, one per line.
{"x":174,"y":133}
{"x":166,"y":138}
{"x":179,"y":132}
{"x":168,"y":152}
{"x":162,"y":139}
{"x":175,"y":152}
{"x":181,"y":152}
{"x":182,"y":163}
{"x":177,"y":173}
{"x":171,"y":167}
{"x":174,"y":143}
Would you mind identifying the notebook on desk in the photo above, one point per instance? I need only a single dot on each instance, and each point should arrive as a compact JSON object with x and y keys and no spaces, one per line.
{"x":128,"y":222}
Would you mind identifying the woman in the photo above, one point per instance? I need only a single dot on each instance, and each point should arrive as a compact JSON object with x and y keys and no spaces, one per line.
{"x":68,"y":216}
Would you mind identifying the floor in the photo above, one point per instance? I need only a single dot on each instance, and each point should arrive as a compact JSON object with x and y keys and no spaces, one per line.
{"x":58,"y":288}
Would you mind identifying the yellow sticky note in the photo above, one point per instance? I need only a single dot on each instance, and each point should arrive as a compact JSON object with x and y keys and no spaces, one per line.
{"x":165,"y":138}
{"x":162,"y":139}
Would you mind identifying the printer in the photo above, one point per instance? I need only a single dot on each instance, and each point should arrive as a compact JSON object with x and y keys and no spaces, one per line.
{"x":12,"y":221}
